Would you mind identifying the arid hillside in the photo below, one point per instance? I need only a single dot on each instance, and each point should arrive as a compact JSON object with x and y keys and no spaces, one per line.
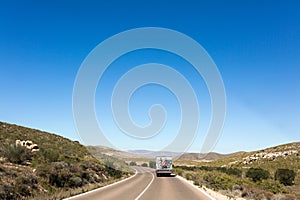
{"x":40,"y":165}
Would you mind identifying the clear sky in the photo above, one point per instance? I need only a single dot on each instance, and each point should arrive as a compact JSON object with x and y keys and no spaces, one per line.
{"x":255,"y":45}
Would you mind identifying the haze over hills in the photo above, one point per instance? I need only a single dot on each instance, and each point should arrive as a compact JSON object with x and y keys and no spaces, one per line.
{"x":152,"y":154}
{"x":115,"y":153}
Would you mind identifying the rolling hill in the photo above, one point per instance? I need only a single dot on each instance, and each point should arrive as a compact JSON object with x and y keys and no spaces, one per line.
{"x":59,"y":168}
{"x":252,"y":175}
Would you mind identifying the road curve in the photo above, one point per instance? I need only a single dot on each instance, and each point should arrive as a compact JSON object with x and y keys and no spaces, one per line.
{"x":146,"y":186}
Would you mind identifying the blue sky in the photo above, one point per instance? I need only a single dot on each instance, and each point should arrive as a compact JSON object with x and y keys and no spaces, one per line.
{"x":255,"y":44}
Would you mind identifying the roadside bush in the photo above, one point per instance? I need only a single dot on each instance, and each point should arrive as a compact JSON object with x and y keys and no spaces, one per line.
{"x":17,"y":154}
{"x":285,"y":176}
{"x":59,"y":178}
{"x":219,"y":181}
{"x":179,"y":171}
{"x":189,"y":176}
{"x":113,"y":172}
{"x":144,"y":165}
{"x":196,"y":182}
{"x":234,"y":171}
{"x":229,"y":171}
{"x":257,"y":174}
{"x":132,"y":163}
{"x":44,"y":170}
{"x":223,"y":182}
{"x":207,"y":168}
{"x":152,"y":164}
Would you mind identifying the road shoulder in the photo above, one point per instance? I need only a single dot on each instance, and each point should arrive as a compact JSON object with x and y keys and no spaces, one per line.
{"x":101,"y":188}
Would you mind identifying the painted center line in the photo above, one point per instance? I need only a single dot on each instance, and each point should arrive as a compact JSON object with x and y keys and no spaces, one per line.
{"x":146,"y":187}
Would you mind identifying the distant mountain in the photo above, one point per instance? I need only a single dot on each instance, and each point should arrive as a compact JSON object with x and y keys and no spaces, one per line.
{"x":114,"y":153}
{"x":201,"y":156}
{"x":153,"y":154}
{"x":181,"y":156}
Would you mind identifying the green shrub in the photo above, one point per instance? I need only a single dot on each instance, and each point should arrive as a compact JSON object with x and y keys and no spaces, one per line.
{"x":86,"y":175}
{"x":25,"y":185}
{"x":50,"y":155}
{"x":144,"y":165}
{"x":285,"y":176}
{"x":59,"y":178}
{"x":234,"y":171}
{"x":220,"y":181}
{"x":152,"y":164}
{"x":229,"y":171}
{"x":178,"y":171}
{"x":132,"y":163}
{"x":272,"y":186}
{"x":17,"y":154}
{"x":113,"y":172}
{"x":257,"y":174}
{"x":75,"y":181}
{"x":223,"y":182}
{"x":189,"y":176}
{"x":196,"y":182}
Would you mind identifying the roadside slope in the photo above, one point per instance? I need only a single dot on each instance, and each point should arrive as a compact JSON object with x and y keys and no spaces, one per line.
{"x":59,"y":168}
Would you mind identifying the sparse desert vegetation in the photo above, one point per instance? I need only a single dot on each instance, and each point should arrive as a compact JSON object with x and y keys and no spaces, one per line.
{"x":272,"y":173}
{"x":59,"y":169}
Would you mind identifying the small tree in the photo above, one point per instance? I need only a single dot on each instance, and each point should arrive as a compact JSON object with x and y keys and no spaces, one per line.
{"x":285,"y":176}
{"x":257,"y":174}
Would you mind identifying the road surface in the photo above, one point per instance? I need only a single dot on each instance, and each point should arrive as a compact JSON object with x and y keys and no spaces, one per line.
{"x":146,"y":186}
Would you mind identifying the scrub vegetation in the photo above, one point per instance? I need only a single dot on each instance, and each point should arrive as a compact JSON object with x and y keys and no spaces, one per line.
{"x":272,"y":173}
{"x":59,"y":169}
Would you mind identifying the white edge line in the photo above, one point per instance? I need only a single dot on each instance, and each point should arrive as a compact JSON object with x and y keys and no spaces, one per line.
{"x":101,"y":188}
{"x":146,"y":187}
{"x":205,"y":193}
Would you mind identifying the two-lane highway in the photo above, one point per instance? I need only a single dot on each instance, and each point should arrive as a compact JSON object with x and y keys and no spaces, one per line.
{"x":145,"y":185}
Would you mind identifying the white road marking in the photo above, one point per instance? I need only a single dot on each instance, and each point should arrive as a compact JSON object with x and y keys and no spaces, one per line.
{"x":104,"y":187}
{"x":141,"y":194}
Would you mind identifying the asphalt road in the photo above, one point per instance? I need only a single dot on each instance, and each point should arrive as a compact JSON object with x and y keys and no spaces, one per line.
{"x":146,"y":186}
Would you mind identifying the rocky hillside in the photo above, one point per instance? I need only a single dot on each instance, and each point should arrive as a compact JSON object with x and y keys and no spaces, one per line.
{"x":272,"y":173}
{"x":40,"y":165}
{"x":286,"y":155}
